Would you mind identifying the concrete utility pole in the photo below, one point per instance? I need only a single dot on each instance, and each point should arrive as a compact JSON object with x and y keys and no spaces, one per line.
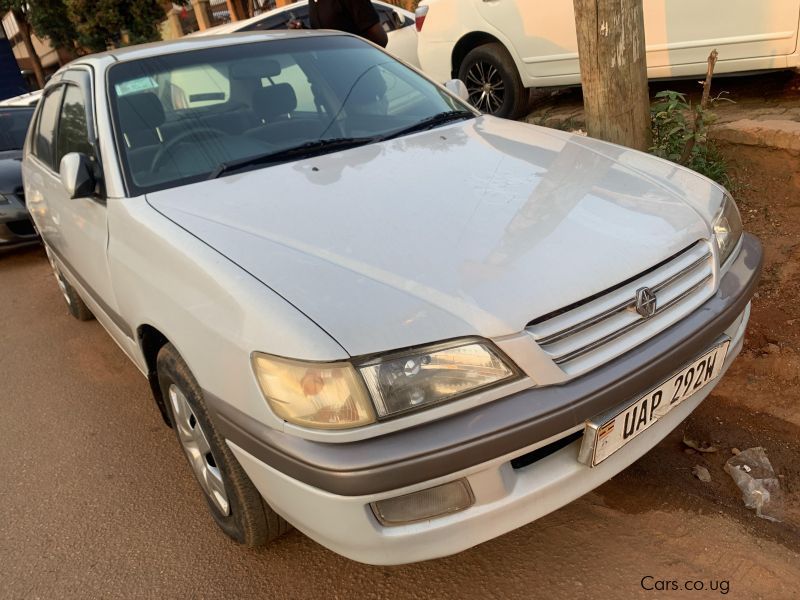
{"x":611,"y":47}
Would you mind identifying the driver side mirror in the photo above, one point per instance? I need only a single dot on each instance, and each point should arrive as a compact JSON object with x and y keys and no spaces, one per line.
{"x":458,"y":88}
{"x":77,"y":176}
{"x":399,"y":20}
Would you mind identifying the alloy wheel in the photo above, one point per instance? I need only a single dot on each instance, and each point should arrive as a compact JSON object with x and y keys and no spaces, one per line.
{"x":485,"y":85}
{"x":195,"y":445}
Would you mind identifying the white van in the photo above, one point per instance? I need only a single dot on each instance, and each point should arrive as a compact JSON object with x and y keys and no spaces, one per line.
{"x":501,"y":47}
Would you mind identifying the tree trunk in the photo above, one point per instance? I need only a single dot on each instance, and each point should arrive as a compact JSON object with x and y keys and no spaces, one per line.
{"x":611,"y":48}
{"x":25,"y":32}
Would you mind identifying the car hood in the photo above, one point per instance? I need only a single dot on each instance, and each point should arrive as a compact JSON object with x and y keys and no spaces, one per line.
{"x":10,"y":171}
{"x":471,"y":229}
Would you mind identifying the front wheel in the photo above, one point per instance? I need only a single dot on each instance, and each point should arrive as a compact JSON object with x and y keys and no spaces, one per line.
{"x":232,"y":499}
{"x":493,"y":81}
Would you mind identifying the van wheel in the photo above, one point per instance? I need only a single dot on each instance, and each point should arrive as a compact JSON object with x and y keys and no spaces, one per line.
{"x":233,"y":500}
{"x":75,"y":304}
{"x":493,"y":81}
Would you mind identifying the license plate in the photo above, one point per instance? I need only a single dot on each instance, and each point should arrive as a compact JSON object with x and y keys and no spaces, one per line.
{"x":606,"y":434}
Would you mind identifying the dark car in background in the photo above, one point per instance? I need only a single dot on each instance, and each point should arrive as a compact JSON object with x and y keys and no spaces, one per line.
{"x":16,"y":228}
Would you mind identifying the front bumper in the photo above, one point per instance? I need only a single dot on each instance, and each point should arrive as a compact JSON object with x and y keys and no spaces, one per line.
{"x":325,"y":489}
{"x":16,"y":227}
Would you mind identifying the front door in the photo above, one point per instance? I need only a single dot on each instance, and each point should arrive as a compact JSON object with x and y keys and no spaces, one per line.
{"x":74,"y":230}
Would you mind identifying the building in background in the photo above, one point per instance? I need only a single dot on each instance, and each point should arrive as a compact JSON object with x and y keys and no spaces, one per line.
{"x":51,"y":58}
{"x":11,"y":80}
{"x":203,"y":14}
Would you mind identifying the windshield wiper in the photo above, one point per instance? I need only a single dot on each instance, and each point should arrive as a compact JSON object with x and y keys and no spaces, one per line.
{"x":305,"y":150}
{"x":431,"y":122}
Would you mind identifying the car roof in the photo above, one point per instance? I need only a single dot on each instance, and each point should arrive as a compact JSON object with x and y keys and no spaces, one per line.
{"x":190,"y":43}
{"x":27,"y":100}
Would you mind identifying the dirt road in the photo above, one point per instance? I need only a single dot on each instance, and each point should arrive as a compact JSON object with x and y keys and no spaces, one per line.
{"x":97,"y":501}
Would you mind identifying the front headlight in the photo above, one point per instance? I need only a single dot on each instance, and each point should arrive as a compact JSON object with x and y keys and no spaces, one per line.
{"x":334,"y":396}
{"x":727,"y":228}
{"x":319,"y":395}
{"x":408,"y":381}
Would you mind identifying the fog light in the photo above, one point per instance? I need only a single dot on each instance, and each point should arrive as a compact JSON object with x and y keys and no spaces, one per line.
{"x":425,"y":504}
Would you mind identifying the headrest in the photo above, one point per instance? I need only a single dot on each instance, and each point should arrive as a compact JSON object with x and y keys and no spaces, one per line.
{"x":255,"y":69}
{"x":140,"y":111}
{"x":274,"y":100}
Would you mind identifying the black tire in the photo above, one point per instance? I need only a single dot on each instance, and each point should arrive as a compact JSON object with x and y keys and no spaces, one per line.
{"x":249,"y":521}
{"x":493,"y":81}
{"x":75,"y":304}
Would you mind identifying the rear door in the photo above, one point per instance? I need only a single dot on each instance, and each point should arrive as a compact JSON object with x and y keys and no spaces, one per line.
{"x":680,"y":32}
{"x":541,"y":34}
{"x":677,"y":32}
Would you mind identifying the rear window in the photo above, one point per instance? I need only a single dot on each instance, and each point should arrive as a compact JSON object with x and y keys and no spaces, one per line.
{"x":202,"y":85}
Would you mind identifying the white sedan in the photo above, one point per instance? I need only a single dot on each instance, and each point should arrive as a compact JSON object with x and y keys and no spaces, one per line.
{"x":502,"y":47}
{"x":399,"y":325}
{"x":398,"y":23}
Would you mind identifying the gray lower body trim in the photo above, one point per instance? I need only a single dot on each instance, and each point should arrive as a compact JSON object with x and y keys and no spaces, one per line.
{"x":501,"y":427}
{"x":115,"y":317}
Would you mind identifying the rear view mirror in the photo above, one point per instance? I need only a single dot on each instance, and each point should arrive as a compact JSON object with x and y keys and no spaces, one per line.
{"x":76,"y":175}
{"x":399,"y":20}
{"x":458,"y":88}
{"x":255,"y":69}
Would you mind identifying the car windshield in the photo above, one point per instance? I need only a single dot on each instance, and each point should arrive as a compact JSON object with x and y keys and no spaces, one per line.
{"x":189,"y":116}
{"x":13,"y":127}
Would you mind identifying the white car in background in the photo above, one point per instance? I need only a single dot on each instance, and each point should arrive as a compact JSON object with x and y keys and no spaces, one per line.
{"x":29,"y":99}
{"x":501,"y":47}
{"x":397,"y":22}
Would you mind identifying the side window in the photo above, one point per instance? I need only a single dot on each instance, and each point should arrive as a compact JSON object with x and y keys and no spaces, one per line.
{"x":281,"y":20}
{"x":386,"y":15}
{"x":274,"y":22}
{"x":43,"y":146}
{"x":73,"y":133}
{"x":301,"y":14}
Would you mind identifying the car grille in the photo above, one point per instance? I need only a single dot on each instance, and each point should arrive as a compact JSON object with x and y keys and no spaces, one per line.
{"x":589,"y":333}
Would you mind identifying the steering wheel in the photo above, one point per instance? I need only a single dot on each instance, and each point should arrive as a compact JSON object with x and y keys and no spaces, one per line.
{"x":181,"y":137}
